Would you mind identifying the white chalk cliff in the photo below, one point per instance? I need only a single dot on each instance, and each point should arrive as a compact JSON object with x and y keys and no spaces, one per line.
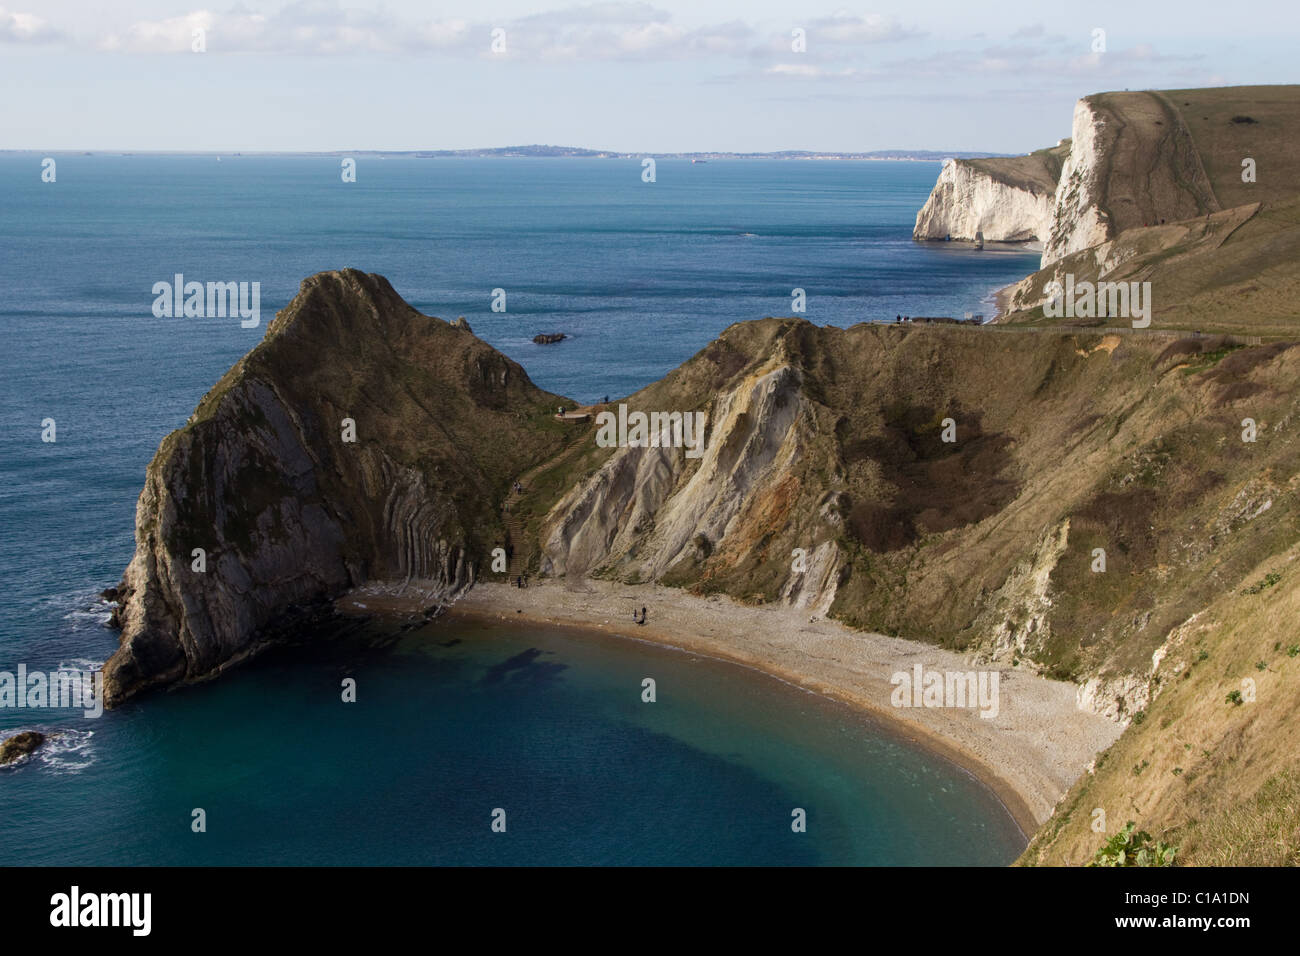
{"x":1077,"y":219}
{"x":1130,"y":162}
{"x":968,"y":200}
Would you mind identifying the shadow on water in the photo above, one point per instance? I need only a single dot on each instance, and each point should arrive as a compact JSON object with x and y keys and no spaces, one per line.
{"x":528,"y":665}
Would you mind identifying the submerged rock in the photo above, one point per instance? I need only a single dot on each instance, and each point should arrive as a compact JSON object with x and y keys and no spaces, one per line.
{"x":549,"y":338}
{"x":20,"y":745}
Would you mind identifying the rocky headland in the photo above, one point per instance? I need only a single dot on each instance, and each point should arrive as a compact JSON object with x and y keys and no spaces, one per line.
{"x":1072,"y":504}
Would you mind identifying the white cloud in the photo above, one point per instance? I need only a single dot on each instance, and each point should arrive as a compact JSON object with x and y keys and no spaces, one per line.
{"x":611,"y":30}
{"x":813,"y":72}
{"x":173,"y":35}
{"x":622,"y":31}
{"x":873,"y":28}
{"x":1120,"y":67}
{"x":16,"y":27}
{"x":306,"y":28}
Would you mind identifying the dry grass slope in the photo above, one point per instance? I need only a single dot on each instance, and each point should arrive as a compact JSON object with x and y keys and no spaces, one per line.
{"x":1221,"y":255}
{"x":1218,"y":779}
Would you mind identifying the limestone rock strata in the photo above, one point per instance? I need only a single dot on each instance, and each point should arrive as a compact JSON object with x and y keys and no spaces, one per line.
{"x":360,"y":441}
{"x":648,"y":513}
{"x":940,"y":483}
{"x":828,"y":483}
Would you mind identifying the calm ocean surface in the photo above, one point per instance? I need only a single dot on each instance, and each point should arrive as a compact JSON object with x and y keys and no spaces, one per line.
{"x":453,"y":721}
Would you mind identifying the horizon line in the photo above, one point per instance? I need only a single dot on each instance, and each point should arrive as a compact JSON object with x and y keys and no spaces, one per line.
{"x":516,"y":152}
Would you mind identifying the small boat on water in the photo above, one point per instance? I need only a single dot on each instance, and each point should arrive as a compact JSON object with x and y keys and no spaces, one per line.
{"x":694,"y":161}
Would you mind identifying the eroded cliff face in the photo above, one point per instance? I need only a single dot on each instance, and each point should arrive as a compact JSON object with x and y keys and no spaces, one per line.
{"x":1130,"y":161}
{"x":1079,"y":503}
{"x":1056,"y":501}
{"x":946,"y":484}
{"x":262,"y":503}
{"x":1077,"y":219}
{"x":974,"y":198}
{"x":651,"y":514}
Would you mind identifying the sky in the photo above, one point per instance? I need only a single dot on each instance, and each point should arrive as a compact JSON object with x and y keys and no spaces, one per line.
{"x":641,"y":77}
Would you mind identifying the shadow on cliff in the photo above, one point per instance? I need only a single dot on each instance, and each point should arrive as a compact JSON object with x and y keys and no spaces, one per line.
{"x":934,"y":485}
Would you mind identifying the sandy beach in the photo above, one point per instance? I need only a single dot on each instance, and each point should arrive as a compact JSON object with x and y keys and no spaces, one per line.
{"x":1029,"y":753}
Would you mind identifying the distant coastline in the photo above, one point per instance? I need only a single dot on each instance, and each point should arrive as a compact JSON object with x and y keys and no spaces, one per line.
{"x":545,"y":152}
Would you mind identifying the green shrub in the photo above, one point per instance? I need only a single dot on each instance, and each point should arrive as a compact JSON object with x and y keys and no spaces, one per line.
{"x":1133,"y":847}
{"x":1269,"y":580}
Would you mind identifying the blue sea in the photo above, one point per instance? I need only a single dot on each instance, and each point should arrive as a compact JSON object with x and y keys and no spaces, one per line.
{"x":452,"y":721}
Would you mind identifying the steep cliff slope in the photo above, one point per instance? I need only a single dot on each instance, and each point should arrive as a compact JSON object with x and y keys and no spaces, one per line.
{"x":1235,"y":272}
{"x":831,"y":442}
{"x":1003,"y":199}
{"x":1116,"y":510}
{"x":1134,"y":160}
{"x":288,"y":511}
{"x":1113,"y":509}
{"x":1132,"y":163}
{"x":1210,"y":766}
{"x":1150,"y":158}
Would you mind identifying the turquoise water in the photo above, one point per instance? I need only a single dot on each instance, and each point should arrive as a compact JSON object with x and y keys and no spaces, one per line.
{"x":458,"y":720}
{"x":642,"y":276}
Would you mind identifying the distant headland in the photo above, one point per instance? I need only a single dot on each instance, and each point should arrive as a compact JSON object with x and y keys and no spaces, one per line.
{"x":566,"y":152}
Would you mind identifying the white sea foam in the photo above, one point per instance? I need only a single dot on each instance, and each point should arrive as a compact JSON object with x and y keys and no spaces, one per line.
{"x":80,"y":606}
{"x":67,"y":751}
{"x":97,"y":615}
{"x":80,"y":664}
